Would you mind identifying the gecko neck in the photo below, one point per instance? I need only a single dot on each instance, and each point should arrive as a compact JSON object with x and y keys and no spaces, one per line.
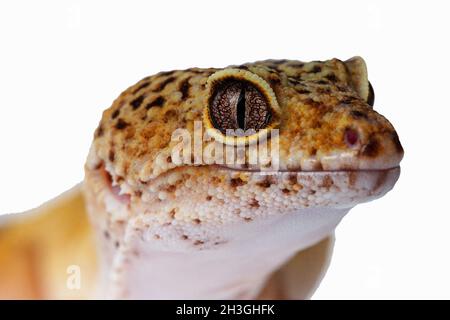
{"x":237,"y":270}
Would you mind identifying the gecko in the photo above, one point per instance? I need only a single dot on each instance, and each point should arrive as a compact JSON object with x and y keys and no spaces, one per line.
{"x":211,"y":183}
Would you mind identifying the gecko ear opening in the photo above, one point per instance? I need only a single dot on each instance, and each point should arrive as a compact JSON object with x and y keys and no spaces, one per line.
{"x":241,"y":107}
{"x":357,"y":71}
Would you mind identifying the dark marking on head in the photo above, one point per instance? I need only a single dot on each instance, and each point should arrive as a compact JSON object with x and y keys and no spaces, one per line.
{"x":302,"y":90}
{"x":372,"y":148}
{"x":197,"y":221}
{"x":158,"y":102}
{"x":356,"y":114}
{"x":142,"y":86}
{"x":274,"y":81}
{"x":266,"y":183}
{"x":248,"y":219}
{"x":172,"y":213}
{"x":160,"y":86}
{"x":117,"y":244}
{"x":198,"y":242}
{"x":316,"y":69}
{"x":324,"y":90}
{"x":166,"y":73}
{"x":184,"y":88}
{"x":136,"y":103}
{"x":99,"y":132}
{"x":111,"y":155}
{"x":285,"y":191}
{"x":332,"y":77}
{"x":348,"y":100}
{"x":170,"y":114}
{"x":115,"y":114}
{"x":184,"y":237}
{"x":237,"y":182}
{"x":321,"y":82}
{"x":106,"y":234}
{"x":208,"y":198}
{"x":121,"y":124}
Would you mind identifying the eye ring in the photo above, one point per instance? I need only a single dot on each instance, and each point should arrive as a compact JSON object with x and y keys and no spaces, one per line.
{"x":258,"y":87}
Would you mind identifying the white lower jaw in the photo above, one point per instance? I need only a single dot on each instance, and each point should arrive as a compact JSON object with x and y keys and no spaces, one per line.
{"x":237,"y":270}
{"x":174,"y":269}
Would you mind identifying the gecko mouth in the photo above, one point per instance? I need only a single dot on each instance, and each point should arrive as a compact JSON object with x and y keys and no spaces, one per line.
{"x":366,"y":184}
{"x":268,"y":171}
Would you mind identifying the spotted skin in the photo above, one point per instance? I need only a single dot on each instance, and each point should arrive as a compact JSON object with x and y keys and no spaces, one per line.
{"x":335,"y":152}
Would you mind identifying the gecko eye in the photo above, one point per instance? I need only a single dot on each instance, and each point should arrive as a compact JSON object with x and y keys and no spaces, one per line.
{"x":237,"y":104}
{"x":239,"y":101}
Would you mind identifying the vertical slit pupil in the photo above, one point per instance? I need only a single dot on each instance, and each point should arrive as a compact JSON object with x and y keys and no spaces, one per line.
{"x":241,"y":109}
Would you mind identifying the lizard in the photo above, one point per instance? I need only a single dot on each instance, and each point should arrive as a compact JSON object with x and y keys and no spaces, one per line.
{"x":156,"y":219}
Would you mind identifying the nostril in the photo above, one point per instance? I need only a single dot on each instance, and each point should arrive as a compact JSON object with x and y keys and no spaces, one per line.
{"x":351,"y":137}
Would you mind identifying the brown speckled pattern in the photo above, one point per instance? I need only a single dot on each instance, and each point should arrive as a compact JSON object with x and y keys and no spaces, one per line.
{"x":317,"y":100}
{"x":335,"y":152}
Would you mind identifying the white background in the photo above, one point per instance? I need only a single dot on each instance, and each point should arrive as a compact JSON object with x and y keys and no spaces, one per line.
{"x":63,"y":62}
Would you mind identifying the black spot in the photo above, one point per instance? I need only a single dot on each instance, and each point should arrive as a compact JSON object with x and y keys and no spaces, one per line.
{"x":302,"y":91}
{"x":372,"y":148}
{"x":166,"y":73}
{"x":237,"y":182}
{"x":111,"y":155}
{"x":142,"y":86}
{"x":274,"y":81}
{"x":136,"y":103}
{"x":348,"y":100}
{"x":163,"y":84}
{"x":356,"y":114}
{"x":99,"y":132}
{"x":266,"y":183}
{"x":316,"y":69}
{"x":322,"y":82}
{"x":115,"y":114}
{"x":184,"y":88}
{"x":332,"y":77}
{"x":158,"y":102}
{"x":295,"y":81}
{"x":242,"y":67}
{"x":121,"y":124}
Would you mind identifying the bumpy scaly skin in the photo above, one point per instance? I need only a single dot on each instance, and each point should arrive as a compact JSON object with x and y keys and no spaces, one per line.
{"x":206,"y":231}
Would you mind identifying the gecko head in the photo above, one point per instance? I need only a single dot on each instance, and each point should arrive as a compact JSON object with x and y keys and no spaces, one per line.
{"x":321,"y":112}
{"x":256,"y":139}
